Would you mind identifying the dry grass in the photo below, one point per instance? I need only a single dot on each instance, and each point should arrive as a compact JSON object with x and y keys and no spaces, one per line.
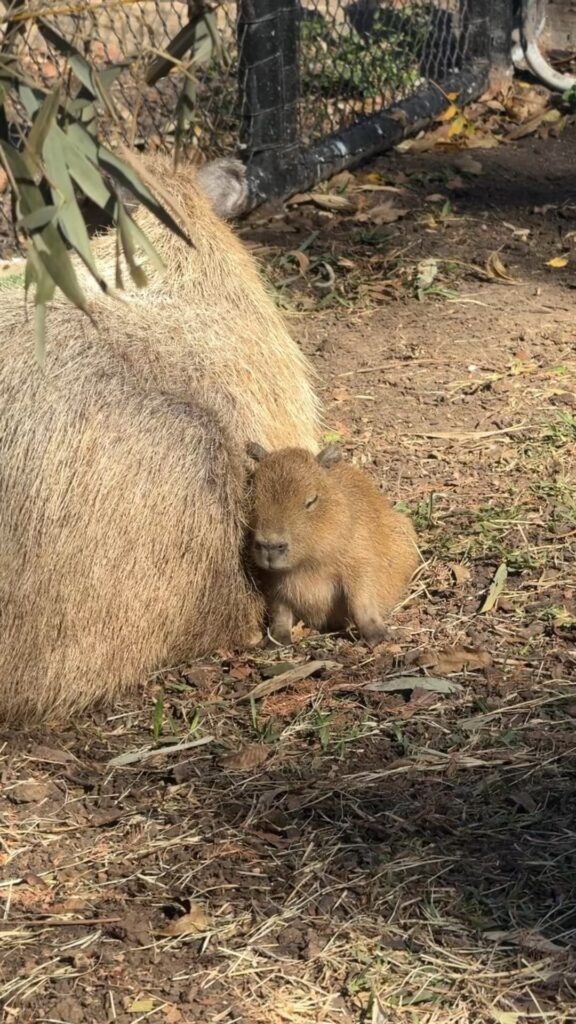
{"x":339,"y":854}
{"x":386,"y":862}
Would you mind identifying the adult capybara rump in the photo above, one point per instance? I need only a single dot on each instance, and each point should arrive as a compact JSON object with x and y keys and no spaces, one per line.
{"x":122,"y":471}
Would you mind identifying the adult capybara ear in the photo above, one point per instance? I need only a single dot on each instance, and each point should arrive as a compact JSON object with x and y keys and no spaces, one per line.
{"x":329,"y":456}
{"x":224,"y":182}
{"x":256,"y":451}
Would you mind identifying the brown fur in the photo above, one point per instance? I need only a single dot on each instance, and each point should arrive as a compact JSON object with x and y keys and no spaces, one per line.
{"x":122,"y":467}
{"x":328,"y":548}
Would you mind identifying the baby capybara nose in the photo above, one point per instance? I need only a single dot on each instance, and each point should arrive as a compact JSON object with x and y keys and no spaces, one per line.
{"x":271,"y":547}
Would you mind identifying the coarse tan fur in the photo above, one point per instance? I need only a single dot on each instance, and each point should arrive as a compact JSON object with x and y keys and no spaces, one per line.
{"x":122,"y":463}
{"x":327,"y":546}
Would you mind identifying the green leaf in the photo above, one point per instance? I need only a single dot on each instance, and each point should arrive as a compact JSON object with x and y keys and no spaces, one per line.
{"x":185,"y":110}
{"x":70,"y":219}
{"x":42,"y":123}
{"x":44,"y":294}
{"x":84,"y":71}
{"x":176,"y":49}
{"x":125,"y":229}
{"x":38,"y":219}
{"x":54,"y":256}
{"x":82,"y":169}
{"x":40,"y":332}
{"x":123,"y":174}
{"x":147,"y":248}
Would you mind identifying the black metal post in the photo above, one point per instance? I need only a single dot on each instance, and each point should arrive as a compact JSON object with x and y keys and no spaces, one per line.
{"x":302,"y":169}
{"x":475,"y":17}
{"x":267,"y":32}
{"x":502,"y":21}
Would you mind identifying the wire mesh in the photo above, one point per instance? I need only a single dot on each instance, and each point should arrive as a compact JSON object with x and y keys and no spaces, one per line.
{"x":363,"y":56}
{"x":356,"y":57}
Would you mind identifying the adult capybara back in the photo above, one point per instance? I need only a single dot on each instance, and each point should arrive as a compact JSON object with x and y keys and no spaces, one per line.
{"x":122,"y":463}
{"x":327,"y":546}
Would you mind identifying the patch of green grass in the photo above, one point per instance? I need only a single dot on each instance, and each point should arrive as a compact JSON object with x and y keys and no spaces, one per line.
{"x":340,"y":63}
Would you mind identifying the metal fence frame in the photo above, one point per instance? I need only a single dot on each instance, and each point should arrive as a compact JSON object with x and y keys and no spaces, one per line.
{"x":260,"y":111}
{"x":278,"y":163}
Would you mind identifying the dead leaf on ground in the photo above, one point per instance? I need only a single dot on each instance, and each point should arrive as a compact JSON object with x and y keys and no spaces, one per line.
{"x":557,"y":262}
{"x":341,"y":395}
{"x":341,"y":180}
{"x":496,"y":269}
{"x":250,"y":757}
{"x":30,"y":792}
{"x":468,"y":164}
{"x":383,"y":213}
{"x":301,"y":259}
{"x":424,"y":142}
{"x":552,"y":117}
{"x":461,"y":572}
{"x":454,"y":659}
{"x":496,"y":588}
{"x":448,"y":114}
{"x":50,"y":755}
{"x":370,"y":187}
{"x":194,"y":922}
{"x":325,"y":200}
{"x":141,"y":1006}
{"x":294,"y":675}
{"x":436,"y":684}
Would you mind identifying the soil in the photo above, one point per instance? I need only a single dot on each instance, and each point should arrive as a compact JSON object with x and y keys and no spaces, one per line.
{"x":338,"y":853}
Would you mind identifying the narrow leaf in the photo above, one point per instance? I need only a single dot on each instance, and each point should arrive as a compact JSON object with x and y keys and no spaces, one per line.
{"x":123,"y":174}
{"x":496,"y":588}
{"x":38,"y":219}
{"x":83,"y":170}
{"x":294,"y":675}
{"x":146,"y":246}
{"x":70,"y":219}
{"x":42,"y":123}
{"x":54,"y":256}
{"x":437,"y":685}
{"x":124,"y":226}
{"x":134,"y":756}
{"x":40,"y":333}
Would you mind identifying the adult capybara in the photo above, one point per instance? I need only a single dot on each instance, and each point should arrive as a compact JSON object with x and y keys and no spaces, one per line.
{"x":327,"y":546}
{"x":122,"y":463}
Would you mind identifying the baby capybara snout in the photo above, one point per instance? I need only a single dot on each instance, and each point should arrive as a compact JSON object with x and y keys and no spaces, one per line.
{"x":326,"y":545}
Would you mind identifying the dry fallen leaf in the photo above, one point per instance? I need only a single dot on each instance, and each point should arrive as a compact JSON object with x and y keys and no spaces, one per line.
{"x":141,"y":1006}
{"x":558,"y":261}
{"x":383,"y":213}
{"x":251,"y":756}
{"x":29,"y":792}
{"x":496,"y":588}
{"x":468,"y":164}
{"x":341,"y":394}
{"x":301,"y":258}
{"x":294,"y":675}
{"x":436,"y":684}
{"x":496,"y":269}
{"x":454,"y":659}
{"x":448,"y":114}
{"x":194,"y":922}
{"x":461,"y":572}
{"x":325,"y":200}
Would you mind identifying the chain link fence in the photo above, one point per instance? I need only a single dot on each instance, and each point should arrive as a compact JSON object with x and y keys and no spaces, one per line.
{"x":271,"y":78}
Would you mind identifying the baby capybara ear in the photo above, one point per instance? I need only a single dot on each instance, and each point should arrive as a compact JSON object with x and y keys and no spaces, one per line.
{"x":329,"y":456}
{"x":256,"y":451}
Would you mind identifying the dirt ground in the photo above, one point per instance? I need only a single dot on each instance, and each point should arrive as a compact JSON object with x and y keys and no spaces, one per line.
{"x":334,"y":852}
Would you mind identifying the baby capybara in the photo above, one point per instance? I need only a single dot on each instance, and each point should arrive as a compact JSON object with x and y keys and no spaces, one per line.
{"x":327,"y":546}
